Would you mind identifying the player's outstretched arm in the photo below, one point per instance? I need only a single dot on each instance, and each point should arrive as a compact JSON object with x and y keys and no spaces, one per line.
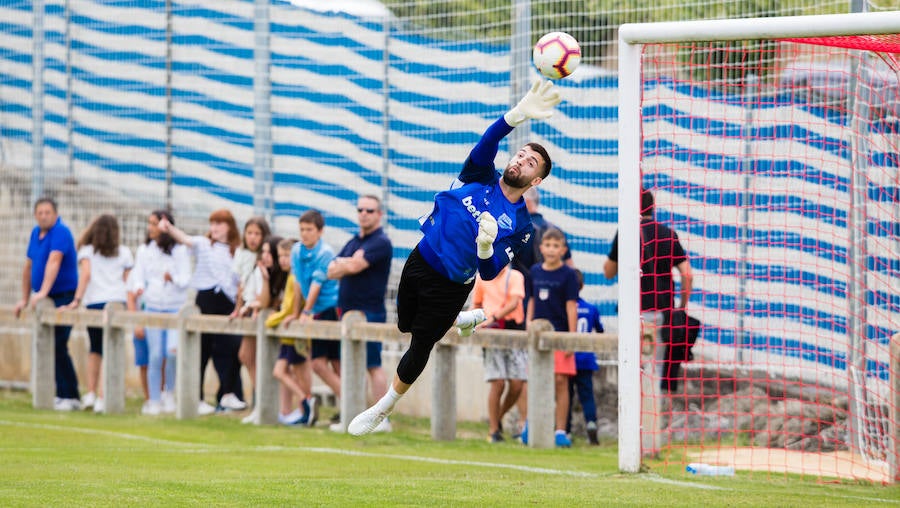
{"x":537,"y":104}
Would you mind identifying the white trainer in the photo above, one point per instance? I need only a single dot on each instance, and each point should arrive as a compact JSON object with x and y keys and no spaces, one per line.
{"x":205,"y":408}
{"x":337,"y":427}
{"x":230,"y":401}
{"x":66,"y":404}
{"x":367,"y":421}
{"x":384,"y":426}
{"x":99,"y":406}
{"x":88,"y":400}
{"x":167,"y":401}
{"x":292,"y":418}
{"x":253,"y":417}
{"x":467,"y":320}
{"x":151,"y":408}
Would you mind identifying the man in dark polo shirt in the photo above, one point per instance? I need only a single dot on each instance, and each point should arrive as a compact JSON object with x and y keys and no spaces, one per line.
{"x":661,"y":252}
{"x":51,"y":271}
{"x":363,"y":266}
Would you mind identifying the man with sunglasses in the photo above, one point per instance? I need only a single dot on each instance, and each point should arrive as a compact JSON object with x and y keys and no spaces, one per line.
{"x":477,"y":226}
{"x":363,"y":266}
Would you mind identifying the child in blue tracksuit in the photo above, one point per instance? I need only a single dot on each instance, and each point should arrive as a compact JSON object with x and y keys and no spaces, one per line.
{"x":585,"y":366}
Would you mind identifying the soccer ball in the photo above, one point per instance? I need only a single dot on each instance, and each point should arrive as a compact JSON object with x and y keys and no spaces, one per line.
{"x":556,"y":55}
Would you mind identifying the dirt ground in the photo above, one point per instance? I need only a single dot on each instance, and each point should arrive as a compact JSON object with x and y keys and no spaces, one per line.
{"x":840,"y":464}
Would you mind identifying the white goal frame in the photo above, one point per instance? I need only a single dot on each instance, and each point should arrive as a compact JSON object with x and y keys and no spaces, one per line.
{"x":631,"y":39}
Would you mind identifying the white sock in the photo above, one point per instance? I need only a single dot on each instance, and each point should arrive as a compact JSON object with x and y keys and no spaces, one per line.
{"x":390,"y":398}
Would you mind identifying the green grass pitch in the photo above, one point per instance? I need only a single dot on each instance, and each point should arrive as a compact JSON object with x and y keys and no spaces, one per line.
{"x":83,"y":459}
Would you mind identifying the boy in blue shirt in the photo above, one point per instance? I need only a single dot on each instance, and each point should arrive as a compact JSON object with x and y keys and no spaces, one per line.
{"x":554,"y":297}
{"x":585,"y":366}
{"x":478,"y":225}
{"x":309,"y":262}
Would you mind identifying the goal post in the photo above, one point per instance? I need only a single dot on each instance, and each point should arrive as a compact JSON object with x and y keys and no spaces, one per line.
{"x":771,"y":145}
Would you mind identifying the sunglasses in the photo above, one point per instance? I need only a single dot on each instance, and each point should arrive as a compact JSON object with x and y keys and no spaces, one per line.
{"x":367,"y":210}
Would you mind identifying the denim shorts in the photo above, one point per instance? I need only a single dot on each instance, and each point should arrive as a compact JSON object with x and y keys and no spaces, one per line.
{"x":141,"y":352}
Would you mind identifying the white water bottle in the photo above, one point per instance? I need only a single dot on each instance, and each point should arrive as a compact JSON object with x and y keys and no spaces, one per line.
{"x":702,"y":469}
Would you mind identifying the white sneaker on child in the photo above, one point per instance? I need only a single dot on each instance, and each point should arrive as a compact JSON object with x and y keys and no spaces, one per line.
{"x":167,"y":401}
{"x":99,"y":406}
{"x":253,"y":417}
{"x":367,"y":421}
{"x":292,"y":418}
{"x":467,"y":320}
{"x":312,"y":416}
{"x":151,"y":408}
{"x":88,"y":400}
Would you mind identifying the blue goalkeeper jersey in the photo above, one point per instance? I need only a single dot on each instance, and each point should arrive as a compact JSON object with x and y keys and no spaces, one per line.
{"x":450,"y":229}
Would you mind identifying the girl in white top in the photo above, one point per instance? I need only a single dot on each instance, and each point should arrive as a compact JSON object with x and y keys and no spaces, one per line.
{"x":217,"y":287}
{"x":160,"y":278}
{"x":103,"y":267}
{"x":256,"y":231}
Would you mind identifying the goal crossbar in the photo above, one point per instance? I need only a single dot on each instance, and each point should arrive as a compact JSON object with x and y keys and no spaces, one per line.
{"x":860,"y":23}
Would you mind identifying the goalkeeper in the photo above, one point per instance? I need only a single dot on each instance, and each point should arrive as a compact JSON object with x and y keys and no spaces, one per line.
{"x":478,"y":225}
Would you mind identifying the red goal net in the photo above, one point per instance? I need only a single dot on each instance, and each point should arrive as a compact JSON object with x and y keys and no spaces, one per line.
{"x":776,"y":163}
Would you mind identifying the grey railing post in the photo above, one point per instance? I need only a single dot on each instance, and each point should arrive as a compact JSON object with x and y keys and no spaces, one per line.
{"x":113,"y":364}
{"x":43,"y":359}
{"x":541,"y":392}
{"x":353,"y":369}
{"x":187,"y":366}
{"x":443,"y":393}
{"x":266,"y":386}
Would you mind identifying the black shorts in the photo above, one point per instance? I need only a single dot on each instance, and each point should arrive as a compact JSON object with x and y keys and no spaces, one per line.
{"x":428,"y":302}
{"x":330,"y":349}
{"x":289,"y":352}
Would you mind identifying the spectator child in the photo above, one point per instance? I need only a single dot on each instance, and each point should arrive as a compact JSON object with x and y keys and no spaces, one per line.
{"x":266,"y":284}
{"x":309,"y":264}
{"x":501,"y":298}
{"x":291,"y":369}
{"x":216,"y":286}
{"x":585,"y":366}
{"x":554,"y":297}
{"x":103,"y":268}
{"x":160,"y":279}
{"x":246,"y":257}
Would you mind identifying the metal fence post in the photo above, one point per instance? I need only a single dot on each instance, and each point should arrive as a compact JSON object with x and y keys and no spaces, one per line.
{"x":266,"y":386}
{"x":43,"y":359}
{"x":541,"y":390}
{"x":113,"y":364}
{"x":187,"y":366}
{"x":353,"y":369}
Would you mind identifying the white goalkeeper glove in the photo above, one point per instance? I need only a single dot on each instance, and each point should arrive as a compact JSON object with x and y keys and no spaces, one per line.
{"x":537,"y":104}
{"x":487,"y":232}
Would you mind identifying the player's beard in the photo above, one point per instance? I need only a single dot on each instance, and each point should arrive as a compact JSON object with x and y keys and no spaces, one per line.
{"x":518,"y":181}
